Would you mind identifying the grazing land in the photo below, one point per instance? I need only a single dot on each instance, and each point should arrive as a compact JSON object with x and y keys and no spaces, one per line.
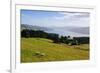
{"x":43,"y":50}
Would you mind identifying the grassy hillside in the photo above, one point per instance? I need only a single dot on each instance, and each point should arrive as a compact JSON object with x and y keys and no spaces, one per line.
{"x":51,"y":51}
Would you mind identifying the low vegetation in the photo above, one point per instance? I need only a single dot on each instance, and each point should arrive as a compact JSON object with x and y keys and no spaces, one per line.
{"x":42,"y":50}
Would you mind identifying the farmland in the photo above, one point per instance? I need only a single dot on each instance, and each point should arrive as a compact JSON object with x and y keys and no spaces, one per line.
{"x":52,"y":51}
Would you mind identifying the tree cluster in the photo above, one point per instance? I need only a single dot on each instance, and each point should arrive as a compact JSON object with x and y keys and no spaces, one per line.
{"x":39,"y":33}
{"x":55,"y":37}
{"x":82,"y":40}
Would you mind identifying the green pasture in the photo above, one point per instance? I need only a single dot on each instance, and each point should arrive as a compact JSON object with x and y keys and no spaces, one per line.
{"x":33,"y":48}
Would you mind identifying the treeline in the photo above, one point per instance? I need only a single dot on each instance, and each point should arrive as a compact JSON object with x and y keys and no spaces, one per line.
{"x":39,"y":33}
{"x":82,"y":40}
{"x":55,"y":37}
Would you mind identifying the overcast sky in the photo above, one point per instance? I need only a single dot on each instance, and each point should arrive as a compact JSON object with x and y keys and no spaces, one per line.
{"x":54,"y":18}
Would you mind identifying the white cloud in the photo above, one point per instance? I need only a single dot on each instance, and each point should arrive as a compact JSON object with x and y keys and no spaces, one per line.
{"x":68,"y":15}
{"x":72,"y":19}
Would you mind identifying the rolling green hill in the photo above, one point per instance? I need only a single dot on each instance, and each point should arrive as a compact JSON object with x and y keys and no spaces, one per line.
{"x":42,"y":50}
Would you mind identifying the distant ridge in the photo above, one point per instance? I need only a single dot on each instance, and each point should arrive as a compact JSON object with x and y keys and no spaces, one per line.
{"x":82,"y":30}
{"x":30,"y":27}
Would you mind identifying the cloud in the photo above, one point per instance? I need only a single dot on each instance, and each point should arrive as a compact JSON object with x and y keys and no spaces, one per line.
{"x":72,"y":19}
{"x":71,"y":15}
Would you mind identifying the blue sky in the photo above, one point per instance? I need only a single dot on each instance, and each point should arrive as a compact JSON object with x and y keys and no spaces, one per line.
{"x":54,"y":18}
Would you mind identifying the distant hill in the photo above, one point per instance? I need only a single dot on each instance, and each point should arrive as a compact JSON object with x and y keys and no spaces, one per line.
{"x":30,"y":27}
{"x":70,"y":30}
{"x":83,"y":30}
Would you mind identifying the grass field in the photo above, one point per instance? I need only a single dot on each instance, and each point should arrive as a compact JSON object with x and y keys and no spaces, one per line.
{"x":51,"y":51}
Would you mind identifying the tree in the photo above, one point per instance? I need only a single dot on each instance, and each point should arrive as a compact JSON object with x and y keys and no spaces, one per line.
{"x":54,"y":37}
{"x":68,"y":37}
{"x":25,"y":33}
{"x":64,"y":39}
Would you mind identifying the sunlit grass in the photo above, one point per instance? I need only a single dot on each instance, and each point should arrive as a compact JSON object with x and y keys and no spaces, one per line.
{"x":52,"y":51}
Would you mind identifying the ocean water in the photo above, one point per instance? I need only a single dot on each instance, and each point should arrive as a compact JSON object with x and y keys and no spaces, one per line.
{"x":68,"y":33}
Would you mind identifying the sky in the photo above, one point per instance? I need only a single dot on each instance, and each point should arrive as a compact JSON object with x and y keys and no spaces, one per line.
{"x":54,"y":18}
